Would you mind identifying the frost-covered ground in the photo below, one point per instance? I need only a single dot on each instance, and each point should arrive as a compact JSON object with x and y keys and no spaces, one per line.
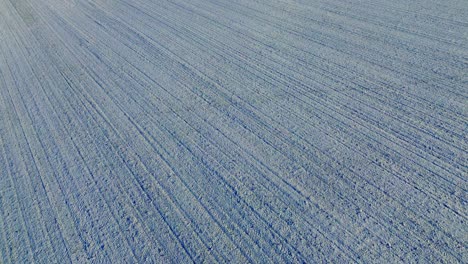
{"x":237,"y":131}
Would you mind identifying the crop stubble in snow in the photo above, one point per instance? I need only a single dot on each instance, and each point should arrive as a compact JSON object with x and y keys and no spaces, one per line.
{"x":233,"y":131}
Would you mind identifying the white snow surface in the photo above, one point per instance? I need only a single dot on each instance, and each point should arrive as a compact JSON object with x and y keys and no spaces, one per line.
{"x":233,"y":131}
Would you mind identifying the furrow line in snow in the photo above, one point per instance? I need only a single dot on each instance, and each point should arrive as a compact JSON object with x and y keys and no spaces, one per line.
{"x":323,"y":61}
{"x":341,"y":45}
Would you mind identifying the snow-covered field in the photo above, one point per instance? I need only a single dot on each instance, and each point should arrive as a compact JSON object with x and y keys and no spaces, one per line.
{"x":233,"y":131}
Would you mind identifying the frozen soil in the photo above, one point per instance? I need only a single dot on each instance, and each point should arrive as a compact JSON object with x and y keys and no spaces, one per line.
{"x":233,"y":131}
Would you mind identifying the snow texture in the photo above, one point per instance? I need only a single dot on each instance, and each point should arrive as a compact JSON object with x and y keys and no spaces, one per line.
{"x":233,"y":131}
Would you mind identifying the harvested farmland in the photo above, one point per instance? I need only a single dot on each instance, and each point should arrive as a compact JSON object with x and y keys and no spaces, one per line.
{"x":233,"y":131}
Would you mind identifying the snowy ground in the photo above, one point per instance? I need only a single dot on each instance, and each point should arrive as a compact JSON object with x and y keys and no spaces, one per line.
{"x":264,"y":131}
